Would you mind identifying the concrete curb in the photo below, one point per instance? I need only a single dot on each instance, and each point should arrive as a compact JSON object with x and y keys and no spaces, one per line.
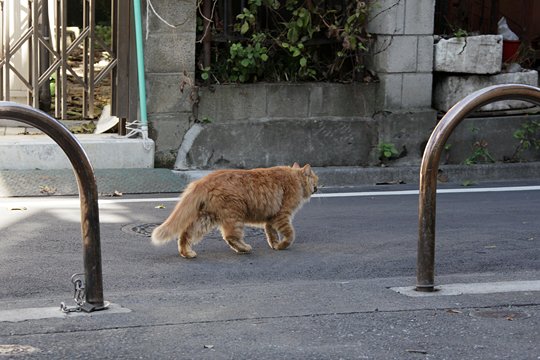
{"x":345,"y":176}
{"x":140,"y":181}
{"x":362,"y":176}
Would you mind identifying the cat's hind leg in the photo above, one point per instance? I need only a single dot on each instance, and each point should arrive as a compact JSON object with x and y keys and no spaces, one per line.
{"x":272,"y":236}
{"x":184,"y":246}
{"x":233,"y":234}
{"x":192,"y":235}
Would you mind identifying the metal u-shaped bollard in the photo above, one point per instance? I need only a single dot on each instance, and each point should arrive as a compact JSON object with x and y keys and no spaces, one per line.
{"x":88,"y":194}
{"x":425,"y":266}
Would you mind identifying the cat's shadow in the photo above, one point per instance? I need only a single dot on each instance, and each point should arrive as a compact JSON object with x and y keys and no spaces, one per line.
{"x":214,"y":248}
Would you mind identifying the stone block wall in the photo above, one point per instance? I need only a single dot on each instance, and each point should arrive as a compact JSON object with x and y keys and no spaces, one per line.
{"x":169,"y":52}
{"x":266,"y":124}
{"x":402,"y":53}
{"x":251,"y":102}
{"x":322,"y":124}
{"x":259,"y":125}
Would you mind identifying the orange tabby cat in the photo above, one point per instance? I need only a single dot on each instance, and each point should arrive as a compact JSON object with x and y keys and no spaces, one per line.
{"x":231,"y":199}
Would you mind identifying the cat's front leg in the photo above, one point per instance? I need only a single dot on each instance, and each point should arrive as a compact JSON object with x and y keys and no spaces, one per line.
{"x":272,"y":236}
{"x":285,"y":228}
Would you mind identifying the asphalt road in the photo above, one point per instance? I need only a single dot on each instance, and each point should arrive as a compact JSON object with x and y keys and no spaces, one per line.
{"x":326,"y":297}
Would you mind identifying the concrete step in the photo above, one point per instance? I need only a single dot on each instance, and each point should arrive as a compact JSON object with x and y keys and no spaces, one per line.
{"x":106,"y":151}
{"x":110,"y":182}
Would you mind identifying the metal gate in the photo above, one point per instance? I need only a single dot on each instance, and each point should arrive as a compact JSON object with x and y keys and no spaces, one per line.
{"x":36,"y":44}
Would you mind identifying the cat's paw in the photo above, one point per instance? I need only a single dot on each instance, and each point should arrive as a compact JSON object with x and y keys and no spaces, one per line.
{"x":243,"y":249}
{"x":281,"y":245}
{"x":240,"y":247}
{"x":189,"y":254}
{"x":272,"y":244}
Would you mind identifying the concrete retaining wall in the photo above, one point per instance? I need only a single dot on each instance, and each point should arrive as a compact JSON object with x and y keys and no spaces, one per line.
{"x":496,"y":133}
{"x":449,"y":89}
{"x":320,"y":142}
{"x":318,"y":123}
{"x":263,"y":101}
{"x":333,"y":115}
{"x":262,"y":125}
{"x":323,"y":124}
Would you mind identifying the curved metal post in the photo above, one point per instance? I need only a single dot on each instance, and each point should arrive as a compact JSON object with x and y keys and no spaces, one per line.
{"x":425,"y":265}
{"x":87,"y":192}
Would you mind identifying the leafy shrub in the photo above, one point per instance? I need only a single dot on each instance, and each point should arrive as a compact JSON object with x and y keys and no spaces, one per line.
{"x":285,"y":40}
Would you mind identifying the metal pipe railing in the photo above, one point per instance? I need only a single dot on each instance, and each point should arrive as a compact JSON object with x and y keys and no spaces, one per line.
{"x":425,"y":267}
{"x":87,"y":193}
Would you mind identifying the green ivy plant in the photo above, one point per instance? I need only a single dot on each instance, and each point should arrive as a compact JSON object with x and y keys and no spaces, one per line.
{"x":298,"y":40}
{"x":528,"y":136}
{"x":247,"y":61}
{"x":387,"y":152}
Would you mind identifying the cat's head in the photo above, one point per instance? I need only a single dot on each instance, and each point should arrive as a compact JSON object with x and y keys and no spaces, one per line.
{"x":310,"y":179}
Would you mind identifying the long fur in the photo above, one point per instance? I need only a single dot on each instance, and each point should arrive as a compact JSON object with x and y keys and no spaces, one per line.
{"x":184,"y":214}
{"x":231,"y":199}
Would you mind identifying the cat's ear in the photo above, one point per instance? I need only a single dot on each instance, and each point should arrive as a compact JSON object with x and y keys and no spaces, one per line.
{"x":295,"y":166}
{"x":306,"y":170}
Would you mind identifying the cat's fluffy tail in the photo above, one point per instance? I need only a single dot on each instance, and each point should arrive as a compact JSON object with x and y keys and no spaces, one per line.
{"x":183,"y":215}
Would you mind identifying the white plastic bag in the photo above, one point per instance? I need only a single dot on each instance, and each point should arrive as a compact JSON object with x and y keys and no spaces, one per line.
{"x":505,"y":31}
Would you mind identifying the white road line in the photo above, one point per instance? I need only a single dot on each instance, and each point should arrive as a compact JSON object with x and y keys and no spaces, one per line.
{"x":54,"y":201}
{"x":473,"y":288}
{"x":439,"y":191}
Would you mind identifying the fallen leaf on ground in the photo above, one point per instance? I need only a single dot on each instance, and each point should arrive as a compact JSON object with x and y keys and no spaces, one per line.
{"x":44,"y":189}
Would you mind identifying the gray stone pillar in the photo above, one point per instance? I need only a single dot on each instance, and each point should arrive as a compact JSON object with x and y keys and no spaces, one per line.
{"x":403,"y":52}
{"x":402,"y":56}
{"x":169,"y":52}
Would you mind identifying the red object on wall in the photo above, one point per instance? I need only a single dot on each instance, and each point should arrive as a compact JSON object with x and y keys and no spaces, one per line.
{"x":510,"y":50}
{"x":482,"y":16}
